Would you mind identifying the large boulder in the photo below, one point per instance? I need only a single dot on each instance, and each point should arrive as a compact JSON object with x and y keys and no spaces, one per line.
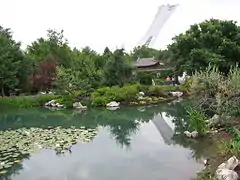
{"x":113,"y":104}
{"x":225,"y":171}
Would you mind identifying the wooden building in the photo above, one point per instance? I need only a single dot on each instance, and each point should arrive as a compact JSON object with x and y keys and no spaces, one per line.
{"x":148,"y":64}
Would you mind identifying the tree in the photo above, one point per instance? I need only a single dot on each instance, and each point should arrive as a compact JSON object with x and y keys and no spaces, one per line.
{"x":11,"y":58}
{"x":45,"y":55}
{"x":215,"y":42}
{"x":144,"y":52}
{"x":117,"y":69}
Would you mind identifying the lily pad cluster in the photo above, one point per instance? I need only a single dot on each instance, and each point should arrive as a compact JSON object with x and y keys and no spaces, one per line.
{"x":16,"y":144}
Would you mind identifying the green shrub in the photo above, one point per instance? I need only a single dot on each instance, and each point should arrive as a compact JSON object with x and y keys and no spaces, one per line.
{"x":162,"y":90}
{"x":145,"y":77}
{"x":164,"y":73}
{"x":197,"y":120}
{"x":187,"y":84}
{"x":26,"y":101}
{"x":66,"y":101}
{"x":217,"y":92}
{"x":106,"y":94}
{"x":160,"y":82}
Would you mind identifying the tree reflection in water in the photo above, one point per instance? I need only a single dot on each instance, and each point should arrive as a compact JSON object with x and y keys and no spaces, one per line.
{"x":201,"y":148}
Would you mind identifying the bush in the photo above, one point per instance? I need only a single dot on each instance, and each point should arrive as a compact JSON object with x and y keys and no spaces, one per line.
{"x":160,"y":82}
{"x":106,"y":94}
{"x":162,"y":90}
{"x":187,"y":84}
{"x":219,"y":93}
{"x":197,"y":120}
{"x":145,"y":78}
{"x":26,"y":101}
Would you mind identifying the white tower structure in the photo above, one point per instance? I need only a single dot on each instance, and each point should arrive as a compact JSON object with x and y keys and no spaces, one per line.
{"x":163,"y":13}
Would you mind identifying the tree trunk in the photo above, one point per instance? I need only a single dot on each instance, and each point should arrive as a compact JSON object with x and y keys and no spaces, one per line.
{"x":3,"y":94}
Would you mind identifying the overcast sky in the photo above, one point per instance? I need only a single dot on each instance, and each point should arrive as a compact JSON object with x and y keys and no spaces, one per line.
{"x":112,"y":23}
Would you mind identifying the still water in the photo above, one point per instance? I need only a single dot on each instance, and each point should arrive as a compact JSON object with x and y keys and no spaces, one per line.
{"x":127,"y":143}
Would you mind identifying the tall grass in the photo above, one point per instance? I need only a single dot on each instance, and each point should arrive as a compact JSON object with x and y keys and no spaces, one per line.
{"x":197,"y":120}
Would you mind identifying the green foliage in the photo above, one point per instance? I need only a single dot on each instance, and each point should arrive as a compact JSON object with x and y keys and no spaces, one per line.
{"x":66,"y":100}
{"x":205,"y":175}
{"x":26,"y":101}
{"x":144,"y":52}
{"x":187,"y":84}
{"x":197,"y":120}
{"x":144,"y":78}
{"x":164,"y":73}
{"x":219,"y":93}
{"x":162,"y":90}
{"x":233,"y":145}
{"x":117,"y":69}
{"x":213,"y":42}
{"x":104,"y":95}
{"x":11,"y":59}
{"x":160,"y":82}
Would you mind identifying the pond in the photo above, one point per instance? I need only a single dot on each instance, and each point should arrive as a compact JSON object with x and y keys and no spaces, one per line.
{"x":136,"y":143}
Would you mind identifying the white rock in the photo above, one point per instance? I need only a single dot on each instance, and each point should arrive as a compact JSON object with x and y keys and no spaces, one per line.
{"x":177,"y":93}
{"x":188,"y":134}
{"x":213,"y":120}
{"x":225,"y":171}
{"x":78,"y":105}
{"x":226,"y":174}
{"x":194,"y":134}
{"x":49,"y":103}
{"x":230,"y":164}
{"x":141,"y":93}
{"x":113,"y":104}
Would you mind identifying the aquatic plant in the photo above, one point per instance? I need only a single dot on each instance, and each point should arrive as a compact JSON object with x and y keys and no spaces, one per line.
{"x":197,"y":120}
{"x":16,"y":144}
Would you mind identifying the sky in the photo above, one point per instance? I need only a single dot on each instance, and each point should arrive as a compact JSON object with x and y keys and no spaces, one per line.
{"x":112,"y":23}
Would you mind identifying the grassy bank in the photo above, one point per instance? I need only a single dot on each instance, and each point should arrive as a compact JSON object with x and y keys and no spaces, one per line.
{"x":25,"y":101}
{"x":217,"y":94}
{"x":126,"y":95}
{"x":227,"y":144}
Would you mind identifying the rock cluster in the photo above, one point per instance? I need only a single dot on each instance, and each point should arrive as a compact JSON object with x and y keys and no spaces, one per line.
{"x":193,"y":134}
{"x":225,"y":171}
{"x":54,"y":104}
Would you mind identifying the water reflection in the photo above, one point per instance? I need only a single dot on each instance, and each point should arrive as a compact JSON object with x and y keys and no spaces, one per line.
{"x":138,"y":130}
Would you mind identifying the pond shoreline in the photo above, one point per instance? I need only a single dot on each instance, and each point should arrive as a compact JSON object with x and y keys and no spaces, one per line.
{"x":221,"y":154}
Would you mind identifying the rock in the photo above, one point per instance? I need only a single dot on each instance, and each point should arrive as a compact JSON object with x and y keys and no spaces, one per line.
{"x":194,"y":134}
{"x":205,"y":162}
{"x":141,"y":93}
{"x":113,"y":104}
{"x":53,"y":104}
{"x":78,"y":105}
{"x":225,"y":171}
{"x":230,"y":164}
{"x":187,"y":133}
{"x":226,"y":174}
{"x":49,"y":103}
{"x":177,"y":93}
{"x":214,"y":120}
